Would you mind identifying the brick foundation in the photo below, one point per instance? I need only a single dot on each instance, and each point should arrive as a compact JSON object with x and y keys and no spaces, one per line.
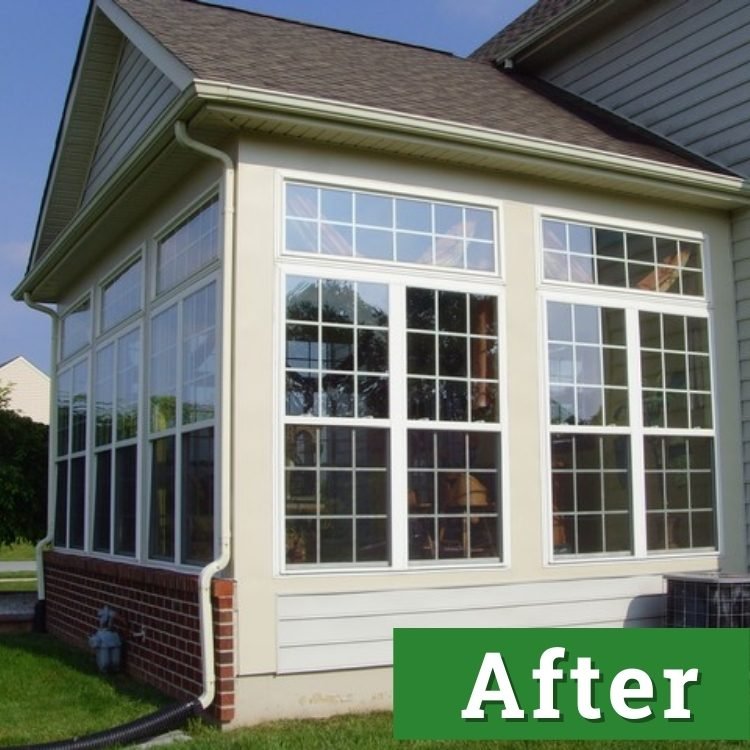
{"x":162,"y":603}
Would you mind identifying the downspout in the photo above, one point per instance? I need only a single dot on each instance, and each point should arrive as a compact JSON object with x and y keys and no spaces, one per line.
{"x":39,"y":615}
{"x":207,"y":573}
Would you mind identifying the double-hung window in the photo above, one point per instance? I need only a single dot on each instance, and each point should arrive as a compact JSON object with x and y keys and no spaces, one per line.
{"x":391,"y":399}
{"x":631,"y":434}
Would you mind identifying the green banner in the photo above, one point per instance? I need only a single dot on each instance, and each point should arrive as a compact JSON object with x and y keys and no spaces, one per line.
{"x":571,"y":684}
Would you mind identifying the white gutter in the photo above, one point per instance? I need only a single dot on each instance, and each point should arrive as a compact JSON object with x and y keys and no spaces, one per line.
{"x":207,"y":573}
{"x":41,"y":592}
{"x":297,"y":107}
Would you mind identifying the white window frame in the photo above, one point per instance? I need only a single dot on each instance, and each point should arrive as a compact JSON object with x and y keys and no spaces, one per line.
{"x":395,"y":190}
{"x":397,"y":279}
{"x":112,"y":339}
{"x":139,"y":255}
{"x":632,"y":302}
{"x":176,"y":297}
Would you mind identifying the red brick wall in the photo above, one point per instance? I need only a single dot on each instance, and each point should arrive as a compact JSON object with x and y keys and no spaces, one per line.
{"x":162,"y":603}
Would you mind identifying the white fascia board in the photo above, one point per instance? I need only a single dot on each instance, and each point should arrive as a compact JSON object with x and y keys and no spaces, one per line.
{"x":171,"y":66}
{"x":733,"y":189}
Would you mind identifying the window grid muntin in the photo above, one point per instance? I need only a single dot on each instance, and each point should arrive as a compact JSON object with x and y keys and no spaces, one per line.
{"x":442,"y":333}
{"x":658,"y":395}
{"x":568,"y":515}
{"x":692,"y":310}
{"x":663,"y":471}
{"x":397,"y":281}
{"x":322,"y":404}
{"x":438,"y":529}
{"x":563,"y":261}
{"x":314,"y":228}
{"x":313,"y":469}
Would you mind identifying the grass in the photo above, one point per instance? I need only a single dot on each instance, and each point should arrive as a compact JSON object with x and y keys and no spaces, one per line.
{"x":17,"y":581}
{"x":19,"y":551}
{"x":374,"y":732}
{"x":49,"y":692}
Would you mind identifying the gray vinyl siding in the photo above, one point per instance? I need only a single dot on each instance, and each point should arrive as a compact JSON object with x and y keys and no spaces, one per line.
{"x":140,"y":93}
{"x":680,"y":68}
{"x":741,"y":246}
{"x":342,"y":631}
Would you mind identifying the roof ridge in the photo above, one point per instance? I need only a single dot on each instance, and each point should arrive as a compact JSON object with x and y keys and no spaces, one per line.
{"x":334,"y":29}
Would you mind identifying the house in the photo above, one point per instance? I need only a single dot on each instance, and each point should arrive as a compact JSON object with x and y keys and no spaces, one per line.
{"x":29,"y":393}
{"x":355,"y":335}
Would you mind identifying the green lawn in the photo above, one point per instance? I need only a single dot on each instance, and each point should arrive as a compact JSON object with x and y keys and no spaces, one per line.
{"x":17,"y":581}
{"x":49,"y":691}
{"x":19,"y":551}
{"x":374,"y":732}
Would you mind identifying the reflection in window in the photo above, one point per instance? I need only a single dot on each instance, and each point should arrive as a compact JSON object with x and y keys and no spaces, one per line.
{"x":452,"y":356}
{"x":76,"y":329}
{"x":337,"y":495}
{"x":189,"y":247}
{"x":121,"y":297}
{"x":182,"y":403}
{"x":591,"y":505}
{"x":336,"y":348}
{"x":454,"y":494}
{"x":612,"y":257}
{"x":381,"y":227}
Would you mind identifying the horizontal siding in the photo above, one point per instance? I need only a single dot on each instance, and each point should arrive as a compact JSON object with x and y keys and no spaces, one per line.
{"x":741,"y":250}
{"x":679,"y":67}
{"x":354,"y":630}
{"x":139,"y":95}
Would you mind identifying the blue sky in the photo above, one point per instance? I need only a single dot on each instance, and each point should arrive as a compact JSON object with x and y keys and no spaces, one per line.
{"x":38,"y":43}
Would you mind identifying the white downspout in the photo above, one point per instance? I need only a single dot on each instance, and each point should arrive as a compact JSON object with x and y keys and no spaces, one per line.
{"x":41,"y":592}
{"x":206,"y":617}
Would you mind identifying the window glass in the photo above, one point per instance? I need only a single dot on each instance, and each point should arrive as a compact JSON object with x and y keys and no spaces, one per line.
{"x":610,"y":257}
{"x":593,"y":444}
{"x":337,"y":495}
{"x":121,"y":297}
{"x":76,"y":329}
{"x":386,"y":228}
{"x":189,"y":247}
{"x":454,"y":494}
{"x":198,"y":496}
{"x":161,"y":527}
{"x":199,"y":356}
{"x":339,"y":470}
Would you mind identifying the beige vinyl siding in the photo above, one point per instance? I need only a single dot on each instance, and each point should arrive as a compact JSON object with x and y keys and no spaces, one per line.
{"x":139,"y":95}
{"x":29,"y":394}
{"x":340,"y":631}
{"x":741,"y":232}
{"x":678,"y":68}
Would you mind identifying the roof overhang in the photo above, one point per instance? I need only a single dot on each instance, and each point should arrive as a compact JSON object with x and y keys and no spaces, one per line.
{"x":215,"y":110}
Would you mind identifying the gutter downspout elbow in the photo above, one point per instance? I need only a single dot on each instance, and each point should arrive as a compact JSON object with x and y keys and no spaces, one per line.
{"x":41,"y":591}
{"x":227,"y":396}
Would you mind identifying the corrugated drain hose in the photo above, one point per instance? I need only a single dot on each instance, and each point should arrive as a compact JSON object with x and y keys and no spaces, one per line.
{"x":158,"y":722}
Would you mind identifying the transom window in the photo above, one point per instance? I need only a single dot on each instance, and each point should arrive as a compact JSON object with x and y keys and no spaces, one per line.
{"x":357,"y":466}
{"x":121,"y":297}
{"x":76,"y":329}
{"x":383,"y":227}
{"x":606,"y":256}
{"x":190,"y":246}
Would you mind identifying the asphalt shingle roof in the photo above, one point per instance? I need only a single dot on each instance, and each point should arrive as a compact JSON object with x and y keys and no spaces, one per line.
{"x":532,"y":20}
{"x":249,"y":49}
